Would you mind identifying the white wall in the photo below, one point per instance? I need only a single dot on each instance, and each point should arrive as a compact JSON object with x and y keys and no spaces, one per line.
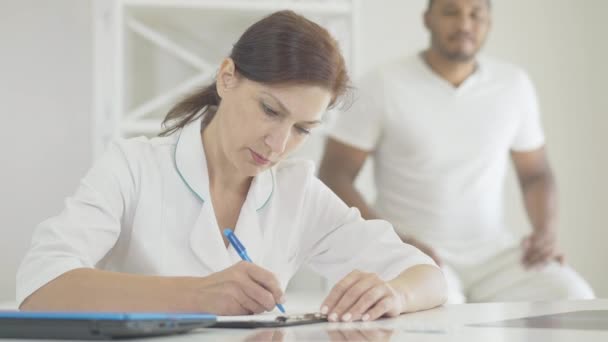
{"x":45,"y":88}
{"x":559,"y":43}
{"x":45,"y":100}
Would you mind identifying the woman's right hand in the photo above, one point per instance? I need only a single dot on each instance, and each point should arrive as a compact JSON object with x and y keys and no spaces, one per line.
{"x":241,"y":289}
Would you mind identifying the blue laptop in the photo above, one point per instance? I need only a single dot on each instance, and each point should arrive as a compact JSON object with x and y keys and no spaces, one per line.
{"x":97,"y":325}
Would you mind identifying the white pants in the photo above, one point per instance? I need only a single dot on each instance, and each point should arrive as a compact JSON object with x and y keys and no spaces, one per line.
{"x":503,"y":278}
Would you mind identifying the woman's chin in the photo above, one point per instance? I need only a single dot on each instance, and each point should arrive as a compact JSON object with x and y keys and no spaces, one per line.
{"x":252,"y":169}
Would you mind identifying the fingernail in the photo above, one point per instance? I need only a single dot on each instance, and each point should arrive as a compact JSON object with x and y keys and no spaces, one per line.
{"x":324,"y":309}
{"x":365,"y":317}
{"x":346,"y":317}
{"x":333,"y":317}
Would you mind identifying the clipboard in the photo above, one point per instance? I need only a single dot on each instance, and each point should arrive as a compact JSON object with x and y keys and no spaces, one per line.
{"x":267,"y":321}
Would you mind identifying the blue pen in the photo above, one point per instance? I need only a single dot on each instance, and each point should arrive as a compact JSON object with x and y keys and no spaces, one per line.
{"x":240,"y":249}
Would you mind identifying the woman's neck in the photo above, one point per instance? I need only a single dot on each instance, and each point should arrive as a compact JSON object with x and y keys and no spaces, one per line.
{"x":222,"y":174}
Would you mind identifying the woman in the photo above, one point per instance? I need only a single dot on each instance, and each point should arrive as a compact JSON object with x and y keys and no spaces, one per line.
{"x":144,"y":230}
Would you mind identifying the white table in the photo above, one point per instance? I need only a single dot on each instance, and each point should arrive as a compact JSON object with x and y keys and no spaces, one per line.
{"x":448,"y":323}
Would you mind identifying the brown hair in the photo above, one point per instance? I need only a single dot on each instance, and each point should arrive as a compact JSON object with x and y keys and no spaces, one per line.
{"x":282,"y":48}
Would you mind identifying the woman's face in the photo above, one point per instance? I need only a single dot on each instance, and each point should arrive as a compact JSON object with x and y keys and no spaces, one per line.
{"x":259,"y":125}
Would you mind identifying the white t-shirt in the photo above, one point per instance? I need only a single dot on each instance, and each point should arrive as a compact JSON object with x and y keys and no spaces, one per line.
{"x":441,"y":152}
{"x":145,"y":208}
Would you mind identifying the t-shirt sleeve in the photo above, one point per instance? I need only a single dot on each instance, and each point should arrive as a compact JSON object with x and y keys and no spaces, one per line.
{"x":85,"y":231}
{"x":361,"y":124}
{"x":529,"y":135}
{"x":339,"y":240}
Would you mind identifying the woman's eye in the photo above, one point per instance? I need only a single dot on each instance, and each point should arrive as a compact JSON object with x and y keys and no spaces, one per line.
{"x":302,"y":130}
{"x":269,"y":111}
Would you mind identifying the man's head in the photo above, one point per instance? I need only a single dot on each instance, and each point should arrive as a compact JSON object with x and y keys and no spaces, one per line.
{"x":458,"y":28}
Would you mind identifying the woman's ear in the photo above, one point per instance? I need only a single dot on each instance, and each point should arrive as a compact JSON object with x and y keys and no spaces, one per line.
{"x":226,"y":77}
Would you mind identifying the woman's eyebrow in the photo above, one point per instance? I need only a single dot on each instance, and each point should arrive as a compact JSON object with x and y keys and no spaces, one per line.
{"x":286,"y":111}
{"x":283,"y":108}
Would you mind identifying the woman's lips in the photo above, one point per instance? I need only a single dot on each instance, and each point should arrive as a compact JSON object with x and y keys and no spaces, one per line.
{"x":258,"y":159}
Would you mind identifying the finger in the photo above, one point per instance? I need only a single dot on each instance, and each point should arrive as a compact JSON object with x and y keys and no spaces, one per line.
{"x":243,"y":299}
{"x":381,"y":308}
{"x":352,"y":295}
{"x":231,"y":306}
{"x":368,"y":300}
{"x":540,"y":257}
{"x":338,"y":291}
{"x":536,"y":252}
{"x":542,"y":248}
{"x":258,"y":294}
{"x":527,"y":256}
{"x":525,"y":252}
{"x":265,"y":279}
{"x":532,"y":257}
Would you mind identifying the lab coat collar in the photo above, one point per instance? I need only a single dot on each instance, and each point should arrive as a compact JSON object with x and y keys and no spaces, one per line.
{"x":205,"y":239}
{"x":191,"y":165}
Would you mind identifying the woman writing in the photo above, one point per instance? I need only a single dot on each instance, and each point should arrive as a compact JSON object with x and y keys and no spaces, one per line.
{"x":144,"y":230}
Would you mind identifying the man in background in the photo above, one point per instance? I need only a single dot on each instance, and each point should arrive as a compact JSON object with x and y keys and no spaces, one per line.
{"x":441,"y":127}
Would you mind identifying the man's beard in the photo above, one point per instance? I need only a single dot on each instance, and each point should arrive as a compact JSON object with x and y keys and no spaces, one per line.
{"x":458,"y":56}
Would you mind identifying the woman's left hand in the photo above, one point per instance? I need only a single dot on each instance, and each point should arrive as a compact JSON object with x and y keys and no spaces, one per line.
{"x":362,"y":296}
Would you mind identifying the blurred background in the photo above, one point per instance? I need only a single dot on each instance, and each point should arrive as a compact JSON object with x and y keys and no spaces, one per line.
{"x":75,"y":73}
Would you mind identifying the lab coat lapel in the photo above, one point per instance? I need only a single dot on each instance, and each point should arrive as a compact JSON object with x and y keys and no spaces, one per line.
{"x":249,"y":230}
{"x":206,"y":241}
{"x":205,"y":238}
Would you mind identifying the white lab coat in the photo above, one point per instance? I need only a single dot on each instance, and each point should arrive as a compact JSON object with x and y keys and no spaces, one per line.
{"x":145,"y":208}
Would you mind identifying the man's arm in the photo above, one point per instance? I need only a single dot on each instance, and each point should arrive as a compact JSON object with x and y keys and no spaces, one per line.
{"x":339,"y":168}
{"x":540,"y":199}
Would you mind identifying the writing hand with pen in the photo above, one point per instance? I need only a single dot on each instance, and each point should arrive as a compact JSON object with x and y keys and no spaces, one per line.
{"x":241,"y":289}
{"x":246,"y":288}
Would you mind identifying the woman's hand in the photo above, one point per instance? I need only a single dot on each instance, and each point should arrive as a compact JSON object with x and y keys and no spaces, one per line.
{"x":241,"y":289}
{"x":362,"y":296}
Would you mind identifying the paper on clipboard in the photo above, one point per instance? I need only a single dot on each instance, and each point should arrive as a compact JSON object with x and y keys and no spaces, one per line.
{"x":268,"y":320}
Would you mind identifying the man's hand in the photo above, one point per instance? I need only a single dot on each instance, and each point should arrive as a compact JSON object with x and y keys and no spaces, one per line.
{"x":540,"y":247}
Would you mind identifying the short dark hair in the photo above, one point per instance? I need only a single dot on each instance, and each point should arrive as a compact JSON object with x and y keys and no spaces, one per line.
{"x":432,"y":1}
